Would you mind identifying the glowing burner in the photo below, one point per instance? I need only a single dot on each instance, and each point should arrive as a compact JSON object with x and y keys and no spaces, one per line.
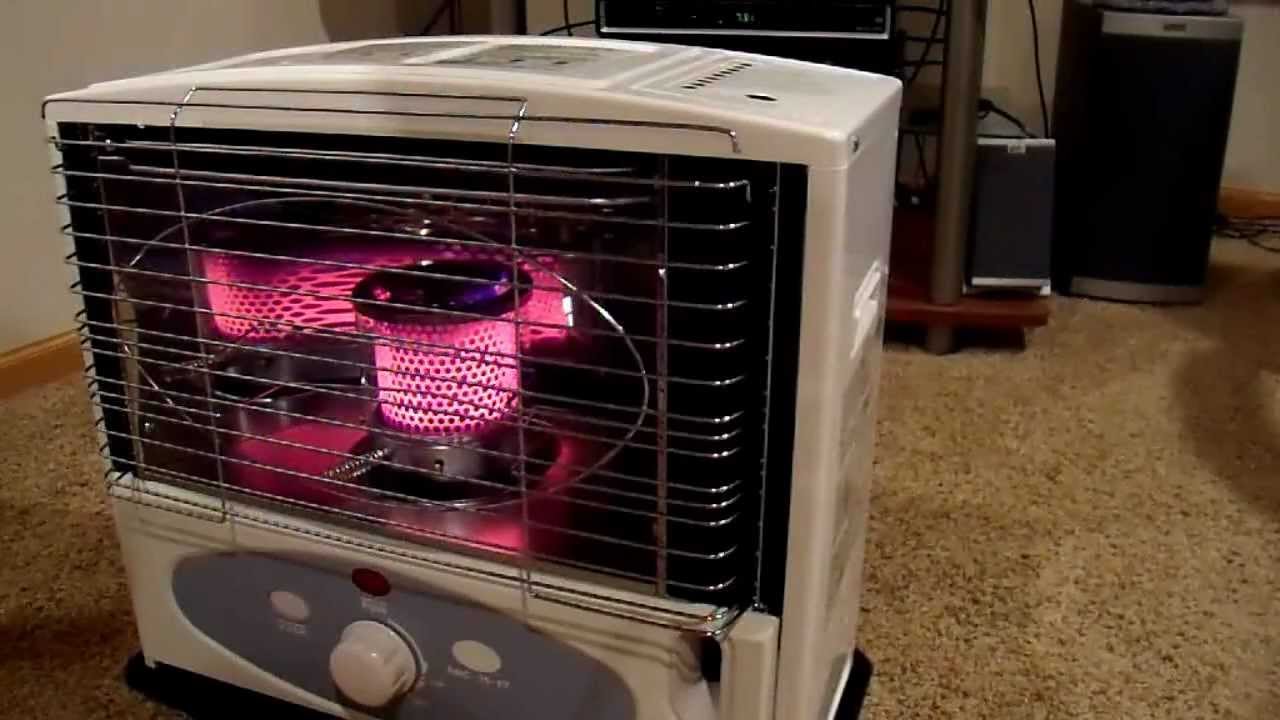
{"x":548,"y":307}
{"x":287,"y":298}
{"x":278,"y":268}
{"x":296,"y":294}
{"x":446,"y":361}
{"x":481,"y":393}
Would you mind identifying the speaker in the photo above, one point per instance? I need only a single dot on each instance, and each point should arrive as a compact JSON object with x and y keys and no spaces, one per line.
{"x":1141,"y":112}
{"x":1009,"y":239}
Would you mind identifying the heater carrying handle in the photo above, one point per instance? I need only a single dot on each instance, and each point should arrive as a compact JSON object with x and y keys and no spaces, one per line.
{"x":408,"y":99}
{"x":398,"y":106}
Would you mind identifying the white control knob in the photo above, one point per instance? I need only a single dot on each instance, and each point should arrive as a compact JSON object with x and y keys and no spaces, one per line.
{"x":372,"y":665}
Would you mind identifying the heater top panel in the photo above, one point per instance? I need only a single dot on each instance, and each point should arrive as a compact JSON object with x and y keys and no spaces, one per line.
{"x":567,"y":92}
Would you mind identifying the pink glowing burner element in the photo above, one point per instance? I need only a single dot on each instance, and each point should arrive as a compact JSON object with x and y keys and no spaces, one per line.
{"x":446,"y":358}
{"x":291,"y":295}
{"x":548,"y":307}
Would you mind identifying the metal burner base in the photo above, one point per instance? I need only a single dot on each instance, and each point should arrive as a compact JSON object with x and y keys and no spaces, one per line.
{"x":304,"y":360}
{"x":342,"y":460}
{"x":459,"y":471}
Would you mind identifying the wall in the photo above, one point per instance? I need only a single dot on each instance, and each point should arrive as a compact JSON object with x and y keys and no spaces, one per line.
{"x":1253,"y":151}
{"x":544,"y":14}
{"x":52,"y":45}
{"x":1253,"y":148}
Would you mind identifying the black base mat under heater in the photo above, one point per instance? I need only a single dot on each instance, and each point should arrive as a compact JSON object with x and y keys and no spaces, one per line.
{"x":201,"y":698}
{"x":855,"y":690}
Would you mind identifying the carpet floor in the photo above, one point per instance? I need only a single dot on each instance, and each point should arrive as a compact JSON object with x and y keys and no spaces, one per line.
{"x":1089,"y":527}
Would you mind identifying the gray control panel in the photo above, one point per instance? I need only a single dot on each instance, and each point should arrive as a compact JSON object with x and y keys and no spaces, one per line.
{"x":287,"y":615}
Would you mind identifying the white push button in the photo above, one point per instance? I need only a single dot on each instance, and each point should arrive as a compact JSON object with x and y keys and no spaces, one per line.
{"x":289,"y":606}
{"x":477,"y":657}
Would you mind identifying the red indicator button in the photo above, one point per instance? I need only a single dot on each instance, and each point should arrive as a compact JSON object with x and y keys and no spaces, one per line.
{"x":371,"y":582}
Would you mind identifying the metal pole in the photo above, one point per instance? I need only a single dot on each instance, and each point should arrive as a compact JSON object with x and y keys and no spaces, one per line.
{"x":958,"y":142}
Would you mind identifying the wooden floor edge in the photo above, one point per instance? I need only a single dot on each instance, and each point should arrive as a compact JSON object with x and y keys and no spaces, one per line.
{"x":1243,"y":202}
{"x":39,"y":362}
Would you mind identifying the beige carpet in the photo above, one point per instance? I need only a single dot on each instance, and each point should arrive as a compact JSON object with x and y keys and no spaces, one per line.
{"x":1088,"y":528}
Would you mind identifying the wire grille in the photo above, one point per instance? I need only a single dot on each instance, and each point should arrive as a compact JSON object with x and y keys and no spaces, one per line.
{"x":604,"y":419}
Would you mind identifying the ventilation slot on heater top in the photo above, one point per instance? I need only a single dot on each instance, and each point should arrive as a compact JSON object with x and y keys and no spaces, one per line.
{"x":715,"y":77}
{"x":555,"y":357}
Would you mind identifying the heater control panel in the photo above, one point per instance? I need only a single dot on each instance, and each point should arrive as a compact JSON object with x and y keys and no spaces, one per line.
{"x":579,"y":62}
{"x":411,"y":652}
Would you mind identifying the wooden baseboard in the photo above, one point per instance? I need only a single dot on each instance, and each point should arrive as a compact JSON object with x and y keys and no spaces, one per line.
{"x":39,"y":363}
{"x":1242,"y":202}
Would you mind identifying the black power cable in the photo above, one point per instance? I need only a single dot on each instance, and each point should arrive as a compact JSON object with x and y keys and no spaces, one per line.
{"x":1035,"y":41}
{"x":986,"y":107}
{"x":1258,"y":243}
{"x":567,"y":28}
{"x":922,"y":163}
{"x":917,"y":67}
{"x":1254,"y":230}
{"x":446,"y":6}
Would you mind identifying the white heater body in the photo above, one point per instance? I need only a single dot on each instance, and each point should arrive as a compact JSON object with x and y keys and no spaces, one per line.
{"x":289,"y":598}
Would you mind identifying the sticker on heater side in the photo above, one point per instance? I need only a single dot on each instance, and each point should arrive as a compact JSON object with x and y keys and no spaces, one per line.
{"x":858,"y":408}
{"x":856,"y":438}
{"x":866,"y":308}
